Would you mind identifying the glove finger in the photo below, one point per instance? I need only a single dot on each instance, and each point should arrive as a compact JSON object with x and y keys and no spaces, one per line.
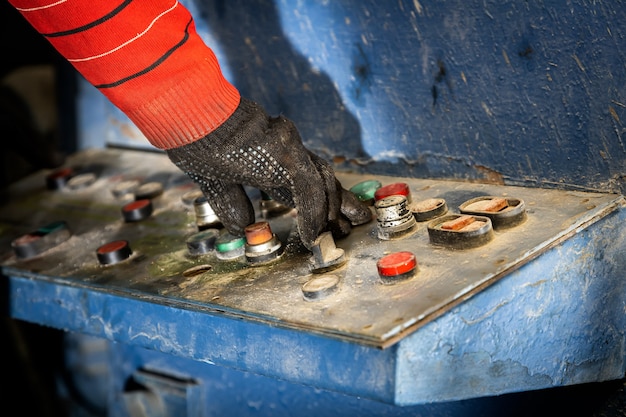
{"x":353,"y":208}
{"x":230,"y":203}
{"x":303,"y":184}
{"x":309,"y":197}
{"x":340,"y":200}
{"x":330,"y":184}
{"x":353,"y":211}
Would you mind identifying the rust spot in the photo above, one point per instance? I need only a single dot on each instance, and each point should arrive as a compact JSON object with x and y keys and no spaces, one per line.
{"x":339,"y":159}
{"x":526,"y":52}
{"x":614,"y":114}
{"x":490,"y":176}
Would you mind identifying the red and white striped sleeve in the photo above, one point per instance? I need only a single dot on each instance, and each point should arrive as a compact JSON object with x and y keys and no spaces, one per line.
{"x":146,"y":57}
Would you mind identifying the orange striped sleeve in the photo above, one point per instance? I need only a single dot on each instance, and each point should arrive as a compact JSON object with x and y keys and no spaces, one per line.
{"x":146,"y":57}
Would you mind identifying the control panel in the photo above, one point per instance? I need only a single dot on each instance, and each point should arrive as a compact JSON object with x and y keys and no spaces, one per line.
{"x":130,"y":222}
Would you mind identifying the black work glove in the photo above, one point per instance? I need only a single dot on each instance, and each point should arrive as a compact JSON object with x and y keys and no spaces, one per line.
{"x":264,"y":152}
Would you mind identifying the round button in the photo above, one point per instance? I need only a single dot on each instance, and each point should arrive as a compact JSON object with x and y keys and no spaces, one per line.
{"x":205,"y":216}
{"x":393,"y":218}
{"x":319,"y":287}
{"x":396,"y":266}
{"x":113,"y":252}
{"x":397,"y":188}
{"x":366,"y":190}
{"x":124,"y":188}
{"x":148,"y":190}
{"x":41,"y":240}
{"x":137,"y":210}
{"x":81,"y":181}
{"x":59,"y":178}
{"x":428,"y":209}
{"x":202,"y":242}
{"x":190,"y":196}
{"x":228,"y":246}
{"x":258,"y":233}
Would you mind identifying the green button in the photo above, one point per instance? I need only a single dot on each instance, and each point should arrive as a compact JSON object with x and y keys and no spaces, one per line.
{"x":52,"y":227}
{"x":365,"y":190}
{"x":228,"y":242}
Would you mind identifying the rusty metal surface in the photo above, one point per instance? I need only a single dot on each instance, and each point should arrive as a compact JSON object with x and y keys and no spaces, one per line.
{"x":361,"y":309}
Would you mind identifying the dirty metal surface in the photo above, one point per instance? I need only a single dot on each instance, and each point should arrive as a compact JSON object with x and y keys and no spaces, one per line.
{"x":362,"y":309}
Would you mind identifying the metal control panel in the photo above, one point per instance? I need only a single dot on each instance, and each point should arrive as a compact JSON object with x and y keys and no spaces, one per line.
{"x":97,"y":236}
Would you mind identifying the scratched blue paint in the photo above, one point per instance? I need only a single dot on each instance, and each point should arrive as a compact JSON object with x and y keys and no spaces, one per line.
{"x":556,"y":321}
{"x":532,"y":93}
{"x":559,"y":320}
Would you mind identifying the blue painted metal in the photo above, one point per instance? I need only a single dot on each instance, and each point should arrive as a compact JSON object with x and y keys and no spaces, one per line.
{"x":556,"y":321}
{"x":529,"y":93}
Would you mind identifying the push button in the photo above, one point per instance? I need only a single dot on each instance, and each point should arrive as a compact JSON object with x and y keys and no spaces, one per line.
{"x":397,"y":188}
{"x":460,"y":231}
{"x":148,"y":190}
{"x":58,"y":179}
{"x":113,"y":252}
{"x":202,"y":242}
{"x":428,"y":209}
{"x":229,"y":247}
{"x":320,"y":287}
{"x":262,"y":246}
{"x":394,"y":220}
{"x":326,"y":256}
{"x":137,"y":210}
{"x":366,"y":190}
{"x":503,"y":212}
{"x":396,"y":267}
{"x":205,"y":216}
{"x":41,"y":240}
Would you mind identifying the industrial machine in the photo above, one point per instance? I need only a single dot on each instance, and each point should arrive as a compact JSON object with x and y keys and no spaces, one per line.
{"x":487,"y":139}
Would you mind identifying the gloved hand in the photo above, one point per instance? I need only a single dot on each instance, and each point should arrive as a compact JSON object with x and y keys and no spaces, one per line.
{"x":264,"y":152}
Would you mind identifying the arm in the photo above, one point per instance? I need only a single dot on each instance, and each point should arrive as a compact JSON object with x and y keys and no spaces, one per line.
{"x":146,"y":57}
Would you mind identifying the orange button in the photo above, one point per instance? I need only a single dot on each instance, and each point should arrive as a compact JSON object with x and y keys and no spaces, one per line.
{"x":490,"y":205}
{"x":258,"y":233}
{"x":458,"y":223}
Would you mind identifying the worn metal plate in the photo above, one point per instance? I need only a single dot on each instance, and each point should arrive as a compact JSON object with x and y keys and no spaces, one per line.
{"x":362,"y":309}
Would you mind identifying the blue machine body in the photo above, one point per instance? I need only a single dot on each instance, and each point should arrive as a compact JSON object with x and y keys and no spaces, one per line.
{"x":556,"y":321}
{"x":528,"y":94}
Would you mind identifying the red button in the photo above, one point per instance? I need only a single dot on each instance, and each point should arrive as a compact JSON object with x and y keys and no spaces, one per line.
{"x":58,"y":179}
{"x":112,"y":246}
{"x":136,"y":205}
{"x":397,"y":263}
{"x":137,"y":210}
{"x":113,"y":252}
{"x":397,"y":188}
